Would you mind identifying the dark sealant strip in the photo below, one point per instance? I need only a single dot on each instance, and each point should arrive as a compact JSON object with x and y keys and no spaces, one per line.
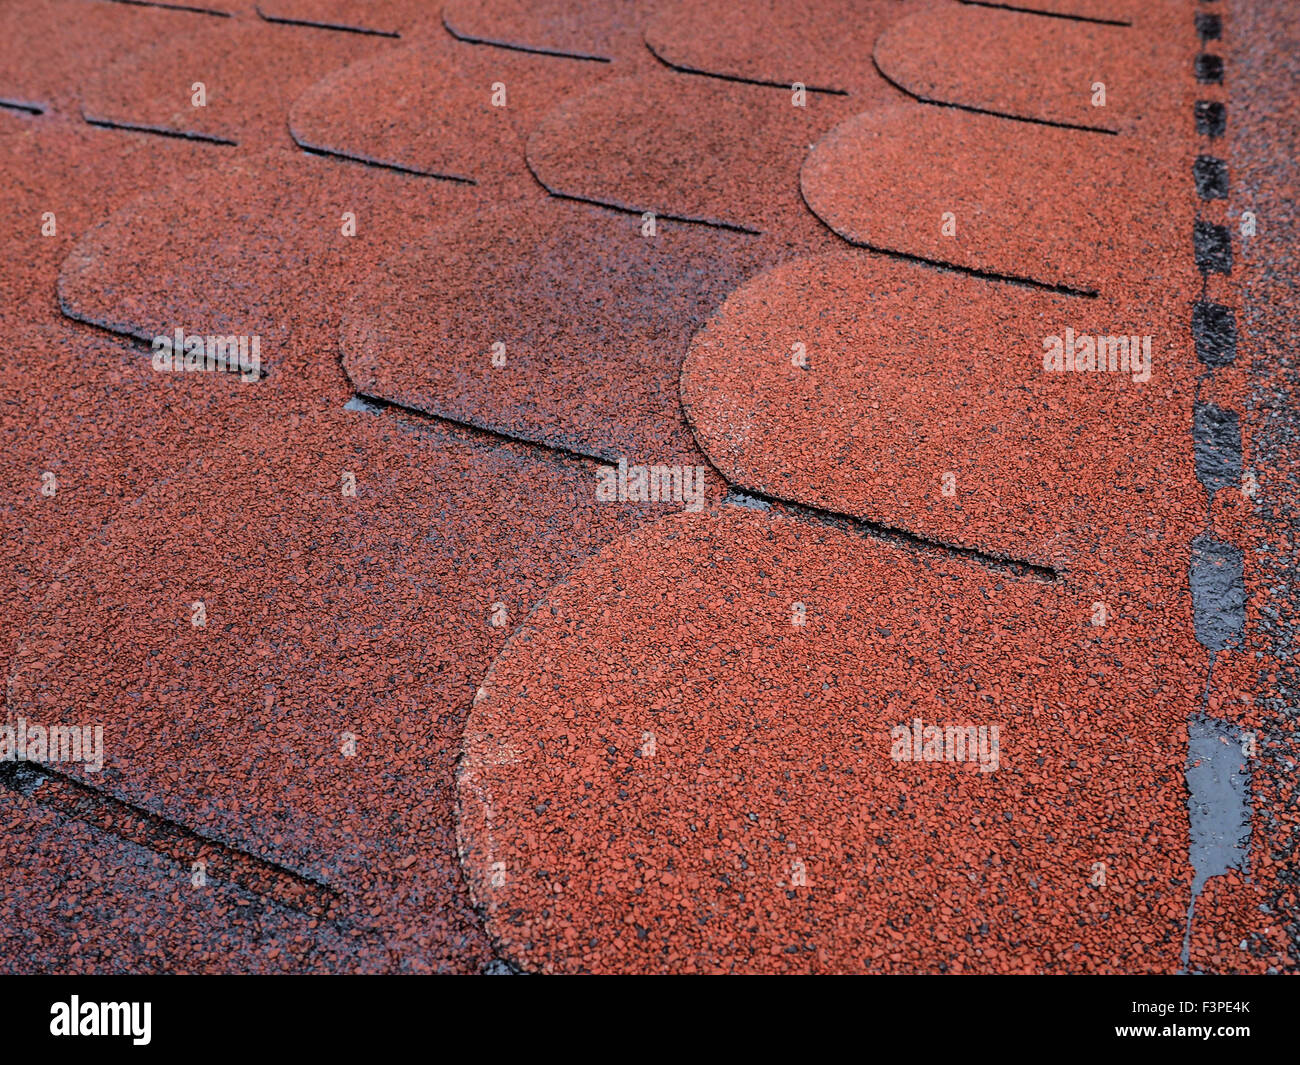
{"x":1218,"y":592}
{"x":1214,"y":329}
{"x":1208,"y":27}
{"x":159,"y":131}
{"x":137,"y":340}
{"x":367,"y":404}
{"x":1216,"y":434}
{"x":1212,"y":244}
{"x":1209,"y":69}
{"x":330,"y":153}
{"x":1211,"y":177}
{"x":1218,"y":783}
{"x":1218,"y":801}
{"x":1211,"y":118}
{"x":739,"y":80}
{"x":610,"y":205}
{"x":1218,"y":806}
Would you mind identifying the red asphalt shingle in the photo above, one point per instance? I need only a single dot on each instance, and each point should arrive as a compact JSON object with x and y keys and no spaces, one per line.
{"x":1080,"y":74}
{"x":638,"y":144}
{"x":489,"y":99}
{"x":269,"y":228}
{"x":389,"y":18}
{"x":327,"y":619}
{"x":736,"y":770}
{"x":608,"y":30}
{"x":238,"y":82}
{"x":47,"y":47}
{"x":1008,"y":198}
{"x":919,"y":400}
{"x":81,"y":900}
{"x":421,"y":330}
{"x":61,"y":179}
{"x":89,"y":426}
{"x":644,"y":740}
{"x":824,"y":46}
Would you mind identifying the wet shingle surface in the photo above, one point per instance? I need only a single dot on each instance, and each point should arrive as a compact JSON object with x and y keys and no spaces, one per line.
{"x":603,"y":486}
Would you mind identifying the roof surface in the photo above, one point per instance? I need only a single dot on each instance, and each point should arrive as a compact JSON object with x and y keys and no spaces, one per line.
{"x":709,"y":487}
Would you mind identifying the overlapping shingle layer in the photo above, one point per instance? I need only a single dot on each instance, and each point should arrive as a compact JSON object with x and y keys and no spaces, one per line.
{"x":643,"y":487}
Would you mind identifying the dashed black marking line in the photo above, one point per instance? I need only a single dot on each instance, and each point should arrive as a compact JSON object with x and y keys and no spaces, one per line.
{"x":1214,"y":330}
{"x":1216,"y":434}
{"x":1211,"y":176}
{"x":1209,"y":69}
{"x":1211,"y":118}
{"x":1212,"y":244}
{"x":1218,"y":795}
{"x":1208,"y":27}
